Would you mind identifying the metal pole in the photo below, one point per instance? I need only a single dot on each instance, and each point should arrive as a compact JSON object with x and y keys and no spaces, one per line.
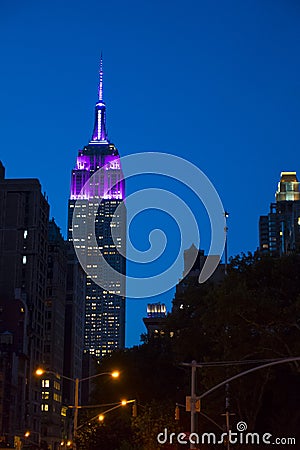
{"x":264,"y":366}
{"x":227,"y":430}
{"x":226,"y":241}
{"x":75,"y":411}
{"x":227,"y":415}
{"x":193,"y":399}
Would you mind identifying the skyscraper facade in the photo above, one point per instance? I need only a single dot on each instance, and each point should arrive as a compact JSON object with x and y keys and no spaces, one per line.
{"x":51,"y":383}
{"x":74,"y":323}
{"x":24,"y":214}
{"x":279,"y":231}
{"x":105,"y":304}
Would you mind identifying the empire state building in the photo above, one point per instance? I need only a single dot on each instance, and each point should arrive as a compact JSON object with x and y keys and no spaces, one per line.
{"x":105,"y":305}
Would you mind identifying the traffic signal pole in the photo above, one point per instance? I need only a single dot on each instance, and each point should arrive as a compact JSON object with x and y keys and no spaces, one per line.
{"x":193,"y":400}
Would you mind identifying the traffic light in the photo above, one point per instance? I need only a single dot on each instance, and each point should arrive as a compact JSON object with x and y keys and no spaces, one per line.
{"x":197,"y":405}
{"x":188,"y":404}
{"x":134,"y":410}
{"x":177,"y":412}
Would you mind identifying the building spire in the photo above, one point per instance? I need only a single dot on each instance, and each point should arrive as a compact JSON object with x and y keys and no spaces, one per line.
{"x":99,"y":133}
{"x":100,"y":96}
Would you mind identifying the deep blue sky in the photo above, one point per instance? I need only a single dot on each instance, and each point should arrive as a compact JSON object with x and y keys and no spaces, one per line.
{"x":216,"y":82}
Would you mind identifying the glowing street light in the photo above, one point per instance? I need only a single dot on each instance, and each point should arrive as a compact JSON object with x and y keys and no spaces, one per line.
{"x":114,"y":374}
{"x":101,"y":417}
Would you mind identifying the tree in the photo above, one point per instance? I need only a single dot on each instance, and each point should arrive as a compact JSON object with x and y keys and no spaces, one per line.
{"x":253,"y":314}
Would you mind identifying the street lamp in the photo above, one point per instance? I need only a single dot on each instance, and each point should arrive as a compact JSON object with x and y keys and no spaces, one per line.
{"x":113,"y":374}
{"x":28,"y":437}
{"x":101,"y":416}
{"x":66,"y":444}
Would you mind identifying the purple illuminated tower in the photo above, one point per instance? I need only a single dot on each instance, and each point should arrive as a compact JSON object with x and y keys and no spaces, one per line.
{"x":104,"y":310}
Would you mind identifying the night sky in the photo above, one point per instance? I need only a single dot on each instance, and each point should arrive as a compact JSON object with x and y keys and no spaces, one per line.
{"x":215,"y":82}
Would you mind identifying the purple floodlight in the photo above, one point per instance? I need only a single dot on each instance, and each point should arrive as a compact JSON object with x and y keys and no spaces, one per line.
{"x":109,"y":184}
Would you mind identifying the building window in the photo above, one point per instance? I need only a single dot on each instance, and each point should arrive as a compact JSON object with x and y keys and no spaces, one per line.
{"x":46,"y":383}
{"x":57,"y":397}
{"x":64,"y":411}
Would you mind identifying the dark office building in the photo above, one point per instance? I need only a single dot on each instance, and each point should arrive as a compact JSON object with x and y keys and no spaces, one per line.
{"x":24,"y":212}
{"x":279,"y":231}
{"x":194,"y":261}
{"x":74,"y":323}
{"x":51,"y":384}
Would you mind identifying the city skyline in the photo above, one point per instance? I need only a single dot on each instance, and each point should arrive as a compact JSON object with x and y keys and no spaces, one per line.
{"x":219,"y":74}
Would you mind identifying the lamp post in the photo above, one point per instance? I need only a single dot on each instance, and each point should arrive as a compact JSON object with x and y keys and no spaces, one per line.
{"x":28,"y":434}
{"x":77,"y":381}
{"x":101,"y":417}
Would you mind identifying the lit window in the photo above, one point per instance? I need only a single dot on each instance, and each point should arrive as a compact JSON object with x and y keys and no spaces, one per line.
{"x":24,"y":259}
{"x":45,"y":383}
{"x":64,"y":411}
{"x":25,"y":234}
{"x":57,"y":397}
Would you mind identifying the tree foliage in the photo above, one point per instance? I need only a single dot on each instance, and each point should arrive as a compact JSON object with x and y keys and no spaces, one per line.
{"x":254,"y":314}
